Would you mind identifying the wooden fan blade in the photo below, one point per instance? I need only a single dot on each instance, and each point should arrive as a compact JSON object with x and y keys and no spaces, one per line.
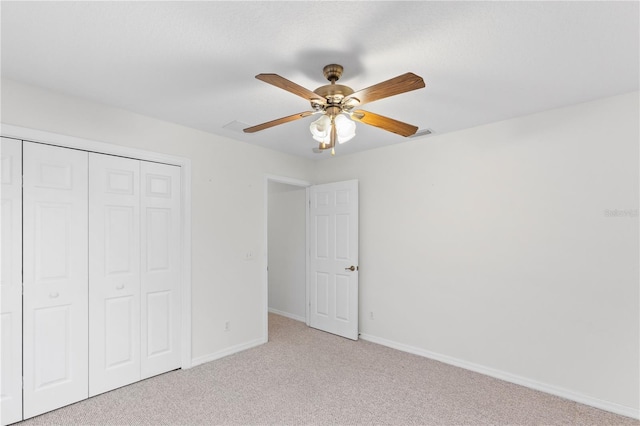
{"x":282,"y":120}
{"x":290,"y":86}
{"x":400,"y":84}
{"x":385,"y":123}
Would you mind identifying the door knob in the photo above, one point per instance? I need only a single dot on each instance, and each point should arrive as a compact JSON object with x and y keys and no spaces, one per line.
{"x":351,"y":268}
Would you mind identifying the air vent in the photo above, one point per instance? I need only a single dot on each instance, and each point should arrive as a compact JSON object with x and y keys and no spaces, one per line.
{"x":236,"y":126}
{"x":422,"y":132}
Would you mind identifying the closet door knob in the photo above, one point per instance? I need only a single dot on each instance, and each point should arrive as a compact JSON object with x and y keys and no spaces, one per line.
{"x":53,"y":294}
{"x":120,"y":287}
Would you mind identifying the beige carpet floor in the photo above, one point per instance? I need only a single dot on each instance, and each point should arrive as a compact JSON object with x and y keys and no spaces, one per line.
{"x":305,"y":376}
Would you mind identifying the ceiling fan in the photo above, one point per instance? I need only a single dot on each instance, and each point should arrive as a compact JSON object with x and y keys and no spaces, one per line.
{"x":335,"y":102}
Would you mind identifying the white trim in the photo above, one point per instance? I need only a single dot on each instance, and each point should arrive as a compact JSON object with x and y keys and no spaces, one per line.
{"x":49,"y":138}
{"x":185,"y":297}
{"x":307,"y":247}
{"x":286,"y":314}
{"x":227,"y":351}
{"x":508,"y":377}
{"x":288,"y":180}
{"x":265,"y":265}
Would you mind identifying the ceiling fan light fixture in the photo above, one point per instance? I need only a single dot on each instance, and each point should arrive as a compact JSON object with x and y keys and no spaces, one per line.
{"x":321,"y":128}
{"x":345,"y":128}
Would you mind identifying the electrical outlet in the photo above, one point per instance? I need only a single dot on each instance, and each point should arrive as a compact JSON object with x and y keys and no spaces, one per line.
{"x":248,"y":255}
{"x":371,"y":315}
{"x":227,"y":325}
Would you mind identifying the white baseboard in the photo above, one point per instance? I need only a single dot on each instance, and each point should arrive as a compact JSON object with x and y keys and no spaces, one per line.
{"x":288,"y":315}
{"x":508,"y":377}
{"x":226,"y":352}
{"x":243,"y":346}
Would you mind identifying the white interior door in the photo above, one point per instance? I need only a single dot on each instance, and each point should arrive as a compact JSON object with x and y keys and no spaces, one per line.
{"x":114,"y":272}
{"x":55,"y":277}
{"x":333,"y":258}
{"x":161,"y":265}
{"x":11,"y":283}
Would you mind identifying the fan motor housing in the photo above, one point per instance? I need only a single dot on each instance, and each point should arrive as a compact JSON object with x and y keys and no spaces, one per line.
{"x":334,"y":93}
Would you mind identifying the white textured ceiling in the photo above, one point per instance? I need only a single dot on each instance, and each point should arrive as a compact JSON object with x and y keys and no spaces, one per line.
{"x":194,"y":63}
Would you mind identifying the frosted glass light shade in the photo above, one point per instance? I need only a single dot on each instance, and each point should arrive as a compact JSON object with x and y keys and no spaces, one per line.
{"x":345,"y":128}
{"x":321,"y":128}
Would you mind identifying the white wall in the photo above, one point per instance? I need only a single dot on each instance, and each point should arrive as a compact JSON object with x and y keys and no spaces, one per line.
{"x":287,"y":245}
{"x":227,"y":203}
{"x":492,"y":246}
{"x":489,"y":245}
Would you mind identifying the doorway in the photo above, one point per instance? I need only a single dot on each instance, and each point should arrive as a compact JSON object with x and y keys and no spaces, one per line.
{"x":312,"y":275}
{"x":286,"y":248}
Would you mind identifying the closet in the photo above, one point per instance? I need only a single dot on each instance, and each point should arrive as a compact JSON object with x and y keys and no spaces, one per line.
{"x":91,"y":271}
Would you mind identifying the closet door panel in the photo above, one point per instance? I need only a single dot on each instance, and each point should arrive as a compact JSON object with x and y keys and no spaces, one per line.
{"x":11,"y":283}
{"x":160,"y":185}
{"x":114,"y":272}
{"x":55,"y":277}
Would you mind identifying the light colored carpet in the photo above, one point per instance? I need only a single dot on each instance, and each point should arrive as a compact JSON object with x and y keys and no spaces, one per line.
{"x":305,"y":376}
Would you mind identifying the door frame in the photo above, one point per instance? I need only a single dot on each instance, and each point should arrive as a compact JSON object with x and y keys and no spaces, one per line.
{"x":265,"y":279}
{"x":48,"y":138}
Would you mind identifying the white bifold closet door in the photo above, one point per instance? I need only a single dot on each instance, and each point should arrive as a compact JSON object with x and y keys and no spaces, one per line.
{"x":100,"y":294}
{"x":55,"y":277}
{"x":134,"y":283}
{"x":114,"y":272}
{"x":160,"y":268}
{"x":11,"y":283}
